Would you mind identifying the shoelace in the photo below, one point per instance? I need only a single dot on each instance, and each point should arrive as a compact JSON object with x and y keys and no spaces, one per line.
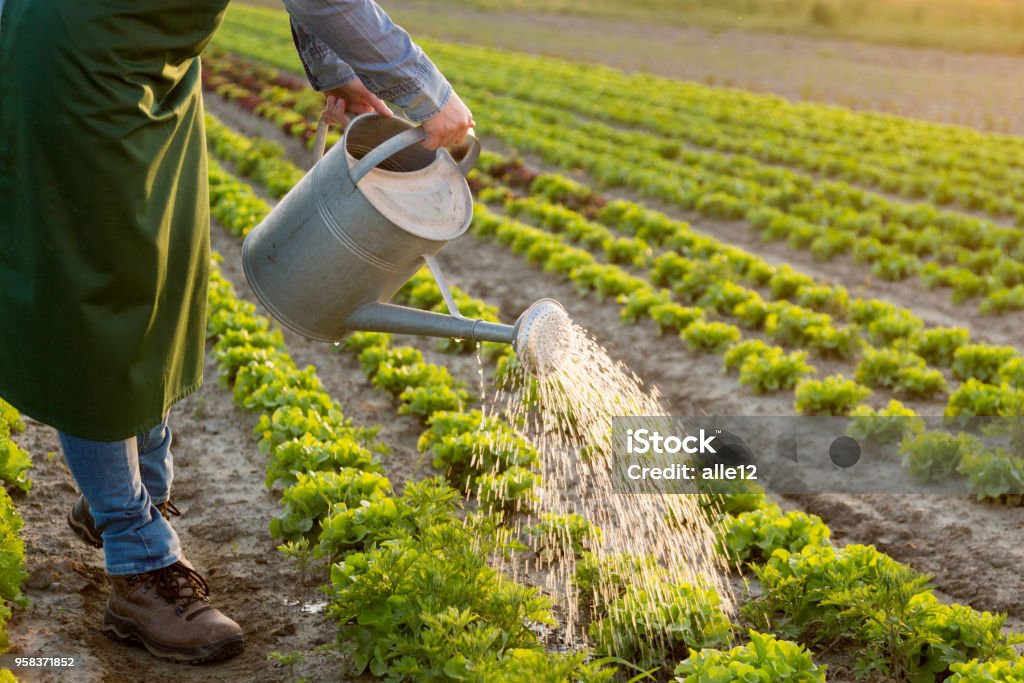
{"x":168,"y":508}
{"x":178,"y":584}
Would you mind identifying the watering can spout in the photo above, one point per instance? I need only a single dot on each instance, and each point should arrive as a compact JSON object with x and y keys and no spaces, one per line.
{"x":378,"y":317}
{"x":541,"y":337}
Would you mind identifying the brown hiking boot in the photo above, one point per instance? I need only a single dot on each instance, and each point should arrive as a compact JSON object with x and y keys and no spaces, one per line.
{"x":84,"y":526}
{"x":169,"y":612}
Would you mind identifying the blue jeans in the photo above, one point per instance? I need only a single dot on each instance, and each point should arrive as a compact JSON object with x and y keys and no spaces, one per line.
{"x":123,"y":482}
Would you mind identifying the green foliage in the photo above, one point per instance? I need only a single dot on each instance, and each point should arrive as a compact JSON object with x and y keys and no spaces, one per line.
{"x":774,"y":370}
{"x":638,"y":304}
{"x":883,"y":609}
{"x":753,"y":536}
{"x":360,"y":341}
{"x":737,"y":353}
{"x":996,"y":671}
{"x":349,"y":528}
{"x":885,"y":425}
{"x":975,"y":398}
{"x":522,"y":665}
{"x":428,"y":607}
{"x":311,"y":497}
{"x":764,"y":659}
{"x":674,"y":317}
{"x":306,"y":453}
{"x":1012,"y":372}
{"x":894,"y":326}
{"x":291,"y":422}
{"x":1002,"y":300}
{"x":800,"y":327}
{"x":831,"y":299}
{"x":725,"y":497}
{"x":834,"y":395}
{"x":15,"y":461}
{"x":557,"y":535}
{"x":424,"y":401}
{"x":605,"y":281}
{"x":938,"y":345}
{"x":464,"y":453}
{"x":652,"y":624}
{"x":903,"y":372}
{"x":996,"y":474}
{"x":981,"y":361}
{"x":602,"y":579}
{"x":511,"y":490}
{"x":395,"y":379}
{"x":710,"y":336}
{"x":465,"y":445}
{"x":267,"y":385}
{"x":933,"y":456}
{"x":787,"y":282}
{"x":238,"y":347}
{"x":12,"y":562}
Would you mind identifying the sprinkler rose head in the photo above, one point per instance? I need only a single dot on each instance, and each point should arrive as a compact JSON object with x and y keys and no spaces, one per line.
{"x":543,"y":337}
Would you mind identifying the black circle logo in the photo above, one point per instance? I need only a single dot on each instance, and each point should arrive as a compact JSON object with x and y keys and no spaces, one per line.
{"x":844,"y":451}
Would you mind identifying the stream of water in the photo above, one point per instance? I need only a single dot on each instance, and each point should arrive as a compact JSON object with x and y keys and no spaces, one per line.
{"x":567,"y":414}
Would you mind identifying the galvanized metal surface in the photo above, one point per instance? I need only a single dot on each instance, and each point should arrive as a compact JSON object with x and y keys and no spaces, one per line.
{"x":326,"y":250}
{"x":359,"y":225}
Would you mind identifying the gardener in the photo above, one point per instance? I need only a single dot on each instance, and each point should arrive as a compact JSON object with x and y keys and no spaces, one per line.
{"x":104,"y":254}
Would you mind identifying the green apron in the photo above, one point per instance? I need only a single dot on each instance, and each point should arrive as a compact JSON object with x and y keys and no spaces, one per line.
{"x":104,"y":216}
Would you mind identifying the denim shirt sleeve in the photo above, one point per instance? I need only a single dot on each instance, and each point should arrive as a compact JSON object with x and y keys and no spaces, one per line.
{"x":324,"y":69}
{"x":360,"y":34}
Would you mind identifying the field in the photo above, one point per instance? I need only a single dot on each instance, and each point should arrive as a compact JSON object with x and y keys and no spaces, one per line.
{"x":745,"y":254}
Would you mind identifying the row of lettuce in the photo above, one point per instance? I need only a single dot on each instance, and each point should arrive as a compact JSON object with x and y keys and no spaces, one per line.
{"x":943,"y":164}
{"x":795,"y":547}
{"x":411,"y":585}
{"x":704,"y":273}
{"x":14,"y":466}
{"x":970,"y":256}
{"x":894,"y":356}
{"x":898,"y":353}
{"x":706,"y":264}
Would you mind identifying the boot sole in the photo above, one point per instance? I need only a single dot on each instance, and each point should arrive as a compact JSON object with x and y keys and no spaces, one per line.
{"x":126,"y":631}
{"x":83,"y":532}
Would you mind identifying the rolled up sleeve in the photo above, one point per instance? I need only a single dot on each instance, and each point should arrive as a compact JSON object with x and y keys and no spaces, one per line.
{"x":362,"y":36}
{"x":324,"y":69}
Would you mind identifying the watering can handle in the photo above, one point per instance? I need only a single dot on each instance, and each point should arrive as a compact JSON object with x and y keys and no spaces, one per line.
{"x":396,"y":144}
{"x":320,"y":143}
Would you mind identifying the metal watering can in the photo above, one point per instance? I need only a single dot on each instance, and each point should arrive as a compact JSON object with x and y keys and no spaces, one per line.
{"x":359,"y":225}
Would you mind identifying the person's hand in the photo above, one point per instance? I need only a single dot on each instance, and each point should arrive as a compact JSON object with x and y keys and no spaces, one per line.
{"x":449,"y":126}
{"x":352,"y":98}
